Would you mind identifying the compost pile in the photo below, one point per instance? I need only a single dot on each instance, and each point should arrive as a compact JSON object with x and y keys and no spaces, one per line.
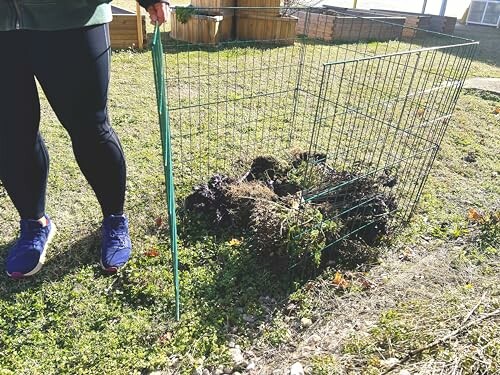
{"x":296,"y":209}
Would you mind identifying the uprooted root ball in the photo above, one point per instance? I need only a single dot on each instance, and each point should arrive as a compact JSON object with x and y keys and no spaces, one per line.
{"x":210,"y":200}
{"x":296,"y":210}
{"x":243,"y":197}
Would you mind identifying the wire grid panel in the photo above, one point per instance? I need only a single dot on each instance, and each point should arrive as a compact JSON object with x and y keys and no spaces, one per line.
{"x":371,"y":95}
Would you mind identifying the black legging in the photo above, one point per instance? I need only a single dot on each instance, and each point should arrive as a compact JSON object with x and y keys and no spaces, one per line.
{"x":72,"y":67}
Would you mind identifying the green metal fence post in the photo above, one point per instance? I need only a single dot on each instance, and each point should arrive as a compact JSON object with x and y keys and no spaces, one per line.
{"x":163,"y":114}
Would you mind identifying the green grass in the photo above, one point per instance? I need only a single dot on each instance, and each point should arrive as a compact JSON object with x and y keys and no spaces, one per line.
{"x":72,"y":319}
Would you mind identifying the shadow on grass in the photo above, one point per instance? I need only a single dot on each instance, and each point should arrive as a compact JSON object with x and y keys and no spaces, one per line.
{"x":84,"y":251}
{"x":488,"y":36}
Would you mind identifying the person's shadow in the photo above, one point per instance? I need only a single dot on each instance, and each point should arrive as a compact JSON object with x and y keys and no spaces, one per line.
{"x":69,"y":256}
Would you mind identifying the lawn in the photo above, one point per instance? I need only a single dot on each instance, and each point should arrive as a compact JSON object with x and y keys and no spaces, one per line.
{"x":440,"y":273}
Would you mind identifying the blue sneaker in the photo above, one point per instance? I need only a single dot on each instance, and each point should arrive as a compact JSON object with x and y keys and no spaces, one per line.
{"x":27,"y":256}
{"x":116,"y":246}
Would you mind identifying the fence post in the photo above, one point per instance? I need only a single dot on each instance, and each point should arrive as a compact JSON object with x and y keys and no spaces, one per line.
{"x":140,"y":38}
{"x":443,"y":8}
{"x":424,"y":5}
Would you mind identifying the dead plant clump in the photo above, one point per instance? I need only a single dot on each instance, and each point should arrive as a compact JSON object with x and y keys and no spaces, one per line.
{"x":301,"y":210}
{"x":244,"y":197}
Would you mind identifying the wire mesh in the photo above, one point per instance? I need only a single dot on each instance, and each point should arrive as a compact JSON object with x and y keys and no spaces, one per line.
{"x":370,"y":95}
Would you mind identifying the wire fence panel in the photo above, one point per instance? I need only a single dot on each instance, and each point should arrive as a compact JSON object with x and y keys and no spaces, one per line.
{"x":365,"y":95}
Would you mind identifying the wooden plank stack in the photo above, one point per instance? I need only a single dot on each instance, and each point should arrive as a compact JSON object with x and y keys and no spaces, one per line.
{"x":124,"y":31}
{"x":415,"y":22}
{"x":430,"y":22}
{"x":349,"y":26}
{"x":445,"y":25}
{"x":216,"y":24}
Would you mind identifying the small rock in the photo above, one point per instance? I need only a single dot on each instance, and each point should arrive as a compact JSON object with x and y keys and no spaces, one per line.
{"x":248,"y":318}
{"x":227,"y":370}
{"x":236,"y":355}
{"x":389,"y":362}
{"x":306,"y":349}
{"x":231,"y":344}
{"x":277,"y":372}
{"x":197,"y":371}
{"x":236,"y":373}
{"x":404,"y":372}
{"x":159,"y":373}
{"x":297,"y":369}
{"x":251,"y":366}
{"x":206,"y":371}
{"x":306,"y":322}
{"x":218,"y":371}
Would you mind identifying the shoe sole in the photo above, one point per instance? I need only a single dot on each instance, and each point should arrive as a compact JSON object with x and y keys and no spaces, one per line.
{"x":110,"y":270}
{"x":41,"y":262}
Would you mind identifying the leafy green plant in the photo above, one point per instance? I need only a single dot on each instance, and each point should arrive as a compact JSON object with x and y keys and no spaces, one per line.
{"x":298,"y":235}
{"x":184,"y":14}
{"x":325,"y":364}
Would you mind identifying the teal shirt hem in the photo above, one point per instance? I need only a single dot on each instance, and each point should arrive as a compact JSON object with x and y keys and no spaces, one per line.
{"x":45,"y":17}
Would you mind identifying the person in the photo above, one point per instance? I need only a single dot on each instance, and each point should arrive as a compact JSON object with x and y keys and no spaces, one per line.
{"x":64,"y":45}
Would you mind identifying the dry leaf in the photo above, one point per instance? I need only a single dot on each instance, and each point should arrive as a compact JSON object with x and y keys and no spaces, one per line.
{"x":158,"y":222}
{"x":166,"y":337}
{"x":152,"y":253}
{"x":234,"y":242}
{"x":474,"y":215}
{"x":420,"y":112}
{"x":366,"y":284}
{"x":340,"y":281}
{"x":497,"y":111}
{"x":309,"y":286}
{"x":406,"y":255}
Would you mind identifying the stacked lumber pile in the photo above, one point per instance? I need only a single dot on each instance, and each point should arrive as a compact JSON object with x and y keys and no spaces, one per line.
{"x":432,"y":22}
{"x":349,"y":26}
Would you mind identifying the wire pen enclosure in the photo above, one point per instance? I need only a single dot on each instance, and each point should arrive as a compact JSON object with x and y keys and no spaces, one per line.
{"x":342,"y":130}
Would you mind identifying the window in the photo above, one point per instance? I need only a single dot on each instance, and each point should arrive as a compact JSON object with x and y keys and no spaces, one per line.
{"x":485,"y":12}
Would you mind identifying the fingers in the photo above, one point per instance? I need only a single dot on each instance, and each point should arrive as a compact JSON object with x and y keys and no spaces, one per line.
{"x":152,"y":14}
{"x":161,"y":12}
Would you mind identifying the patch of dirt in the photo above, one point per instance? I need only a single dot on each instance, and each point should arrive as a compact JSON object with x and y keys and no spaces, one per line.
{"x":300,"y":207}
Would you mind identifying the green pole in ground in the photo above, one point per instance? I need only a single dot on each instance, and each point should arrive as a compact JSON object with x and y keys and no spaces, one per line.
{"x":163,"y":114}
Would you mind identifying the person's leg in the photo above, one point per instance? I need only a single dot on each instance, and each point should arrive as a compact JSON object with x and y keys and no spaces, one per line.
{"x":73,"y":70}
{"x":24,"y":161}
{"x":72,"y":67}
